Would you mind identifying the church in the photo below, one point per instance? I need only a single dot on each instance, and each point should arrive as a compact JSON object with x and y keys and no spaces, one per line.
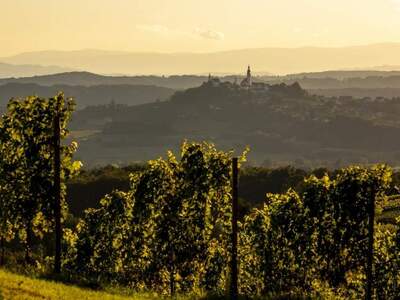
{"x":246,"y":83}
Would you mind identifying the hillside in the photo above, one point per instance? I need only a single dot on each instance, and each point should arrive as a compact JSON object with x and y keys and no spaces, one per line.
{"x":14,"y":286}
{"x":357,"y":92}
{"x":288,"y":125}
{"x":272,"y":60}
{"x":89,"y":95}
{"x":345,"y":74}
{"x":369,"y":82}
{"x":282,"y":123}
{"x":90,"y":79}
{"x":343,"y":83}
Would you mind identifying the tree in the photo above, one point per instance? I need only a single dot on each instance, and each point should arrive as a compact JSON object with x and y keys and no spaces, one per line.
{"x":170,"y":232}
{"x":318,"y":235}
{"x":26,"y":146}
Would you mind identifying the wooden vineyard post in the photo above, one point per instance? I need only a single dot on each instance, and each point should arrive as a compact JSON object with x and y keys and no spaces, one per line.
{"x":234,"y":262}
{"x":370,"y":257}
{"x":57,"y":191}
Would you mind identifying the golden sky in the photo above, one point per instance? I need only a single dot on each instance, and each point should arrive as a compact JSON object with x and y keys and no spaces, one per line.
{"x":193,"y":25}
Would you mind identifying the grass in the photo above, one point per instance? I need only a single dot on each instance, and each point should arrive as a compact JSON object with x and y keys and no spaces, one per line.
{"x":18,"y":287}
{"x":14,"y":286}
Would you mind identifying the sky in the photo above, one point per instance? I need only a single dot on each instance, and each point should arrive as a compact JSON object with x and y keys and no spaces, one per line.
{"x":193,"y":25}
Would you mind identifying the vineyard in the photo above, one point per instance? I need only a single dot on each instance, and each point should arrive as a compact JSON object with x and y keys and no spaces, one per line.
{"x":171,"y":232}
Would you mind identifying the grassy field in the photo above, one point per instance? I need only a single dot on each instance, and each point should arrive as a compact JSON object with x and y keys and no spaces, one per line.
{"x":14,"y":286}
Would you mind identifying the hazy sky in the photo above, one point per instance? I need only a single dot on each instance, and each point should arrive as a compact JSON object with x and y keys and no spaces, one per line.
{"x":193,"y":25}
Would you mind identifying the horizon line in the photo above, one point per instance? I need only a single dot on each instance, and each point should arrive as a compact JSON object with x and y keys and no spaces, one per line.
{"x":202,"y":52}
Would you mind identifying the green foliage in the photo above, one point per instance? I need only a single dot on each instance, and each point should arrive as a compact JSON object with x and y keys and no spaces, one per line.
{"x":170,"y":231}
{"x":387,"y":263}
{"x":317,"y":240}
{"x":86,"y":189}
{"x":26,"y":165}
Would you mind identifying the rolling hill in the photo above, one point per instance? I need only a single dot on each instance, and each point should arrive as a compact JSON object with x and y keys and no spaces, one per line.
{"x":373,"y":81}
{"x":90,"y":79}
{"x":282,"y":123}
{"x":89,"y":95}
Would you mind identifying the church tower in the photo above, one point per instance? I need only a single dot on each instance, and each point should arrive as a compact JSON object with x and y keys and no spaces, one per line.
{"x":247,"y":81}
{"x":248,"y":76}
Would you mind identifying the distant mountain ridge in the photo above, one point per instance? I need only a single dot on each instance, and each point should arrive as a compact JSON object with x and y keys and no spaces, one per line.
{"x":273,"y":60}
{"x":11,"y":70}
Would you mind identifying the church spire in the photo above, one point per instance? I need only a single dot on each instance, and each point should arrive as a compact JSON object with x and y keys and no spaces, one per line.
{"x":248,"y":76}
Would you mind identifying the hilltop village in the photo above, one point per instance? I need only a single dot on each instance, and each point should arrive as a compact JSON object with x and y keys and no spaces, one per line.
{"x":257,"y":87}
{"x":246,"y":83}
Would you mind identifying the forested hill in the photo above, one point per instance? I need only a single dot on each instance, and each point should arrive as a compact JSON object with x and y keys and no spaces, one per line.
{"x":282,"y":123}
{"x":91,"y":79}
{"x":317,"y":80}
{"x":89,"y":95}
{"x":338,"y":83}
